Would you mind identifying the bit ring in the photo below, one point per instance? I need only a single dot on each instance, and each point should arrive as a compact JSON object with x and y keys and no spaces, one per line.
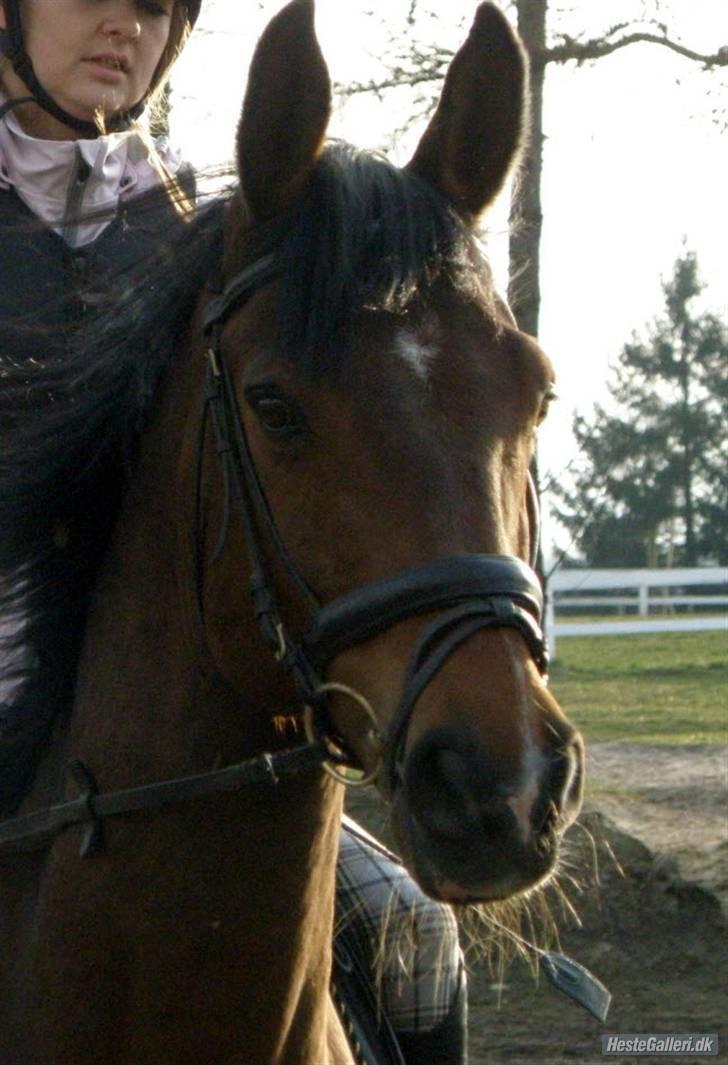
{"x":342,"y":771}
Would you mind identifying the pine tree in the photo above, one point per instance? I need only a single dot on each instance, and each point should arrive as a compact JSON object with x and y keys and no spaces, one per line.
{"x":653,"y":487}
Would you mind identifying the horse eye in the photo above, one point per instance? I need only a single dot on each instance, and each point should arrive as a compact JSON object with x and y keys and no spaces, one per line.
{"x":278,"y":415}
{"x":545,"y":405}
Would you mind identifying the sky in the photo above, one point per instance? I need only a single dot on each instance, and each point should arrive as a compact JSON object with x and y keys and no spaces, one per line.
{"x":636,"y":166}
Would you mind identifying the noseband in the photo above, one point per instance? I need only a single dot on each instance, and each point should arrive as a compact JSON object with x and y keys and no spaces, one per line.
{"x":469,"y":592}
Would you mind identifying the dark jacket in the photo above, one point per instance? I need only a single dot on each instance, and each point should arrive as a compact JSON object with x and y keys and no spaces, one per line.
{"x":45,"y":284}
{"x":45,"y":289}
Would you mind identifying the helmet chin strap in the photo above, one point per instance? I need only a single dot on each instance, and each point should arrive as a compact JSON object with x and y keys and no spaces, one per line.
{"x":9,"y":105}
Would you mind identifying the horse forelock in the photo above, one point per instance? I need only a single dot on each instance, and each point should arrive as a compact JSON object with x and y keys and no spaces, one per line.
{"x":366,"y":237}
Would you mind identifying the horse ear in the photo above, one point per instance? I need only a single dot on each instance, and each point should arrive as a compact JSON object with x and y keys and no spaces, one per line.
{"x":475,"y":135}
{"x":285,"y":112}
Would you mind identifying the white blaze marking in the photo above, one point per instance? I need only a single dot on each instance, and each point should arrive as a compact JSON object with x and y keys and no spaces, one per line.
{"x":416,"y":354}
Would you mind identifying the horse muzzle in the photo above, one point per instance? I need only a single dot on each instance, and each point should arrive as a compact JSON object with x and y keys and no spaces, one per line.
{"x":469,"y":827}
{"x":470,"y":834}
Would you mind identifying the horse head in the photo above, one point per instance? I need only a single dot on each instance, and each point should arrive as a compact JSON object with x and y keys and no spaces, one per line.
{"x":389,"y":405}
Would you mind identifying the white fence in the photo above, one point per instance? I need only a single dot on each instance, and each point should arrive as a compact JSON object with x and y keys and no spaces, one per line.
{"x":640,"y":590}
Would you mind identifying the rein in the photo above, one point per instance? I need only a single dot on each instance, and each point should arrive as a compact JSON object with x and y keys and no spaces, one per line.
{"x":90,"y":807}
{"x":470,"y":592}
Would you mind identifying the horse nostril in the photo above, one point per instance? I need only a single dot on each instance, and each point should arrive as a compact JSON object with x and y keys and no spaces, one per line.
{"x":444,"y":799}
{"x":564,"y":785}
{"x":452,"y":779}
{"x":454,"y":796}
{"x":573,"y":790}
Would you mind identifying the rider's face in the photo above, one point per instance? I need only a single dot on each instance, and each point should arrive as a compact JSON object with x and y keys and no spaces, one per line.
{"x":91,"y":56}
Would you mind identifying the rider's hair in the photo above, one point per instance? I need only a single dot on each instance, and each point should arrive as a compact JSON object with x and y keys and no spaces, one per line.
{"x":179,"y":30}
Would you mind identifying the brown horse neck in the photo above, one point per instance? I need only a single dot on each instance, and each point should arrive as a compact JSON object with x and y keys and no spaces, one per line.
{"x":222,"y":908}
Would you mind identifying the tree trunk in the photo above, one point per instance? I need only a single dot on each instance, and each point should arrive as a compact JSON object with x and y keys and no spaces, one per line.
{"x":526,"y":220}
{"x":688,"y":457}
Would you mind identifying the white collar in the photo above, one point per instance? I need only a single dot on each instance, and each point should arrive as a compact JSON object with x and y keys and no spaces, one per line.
{"x":44,"y":172}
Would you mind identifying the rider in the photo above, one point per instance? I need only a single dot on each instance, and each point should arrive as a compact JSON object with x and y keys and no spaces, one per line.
{"x":76,"y":79}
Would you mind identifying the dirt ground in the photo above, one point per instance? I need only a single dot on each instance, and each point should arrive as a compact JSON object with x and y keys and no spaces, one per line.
{"x":650,"y":863}
{"x":646,"y":870}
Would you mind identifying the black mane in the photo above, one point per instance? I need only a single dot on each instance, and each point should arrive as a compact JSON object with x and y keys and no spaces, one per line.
{"x":367,"y":236}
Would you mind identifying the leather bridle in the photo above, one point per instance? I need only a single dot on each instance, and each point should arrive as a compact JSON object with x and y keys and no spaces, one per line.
{"x":467,"y":593}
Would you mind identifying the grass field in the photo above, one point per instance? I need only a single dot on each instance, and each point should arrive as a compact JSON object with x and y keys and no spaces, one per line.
{"x":669,"y":688}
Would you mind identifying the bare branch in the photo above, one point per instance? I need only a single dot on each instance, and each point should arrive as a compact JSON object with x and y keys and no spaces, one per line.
{"x":417,"y":69}
{"x":421,"y":68}
{"x":583,"y":51}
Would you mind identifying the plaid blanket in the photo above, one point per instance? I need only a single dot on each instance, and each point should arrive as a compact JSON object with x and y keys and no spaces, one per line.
{"x":409,"y":942}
